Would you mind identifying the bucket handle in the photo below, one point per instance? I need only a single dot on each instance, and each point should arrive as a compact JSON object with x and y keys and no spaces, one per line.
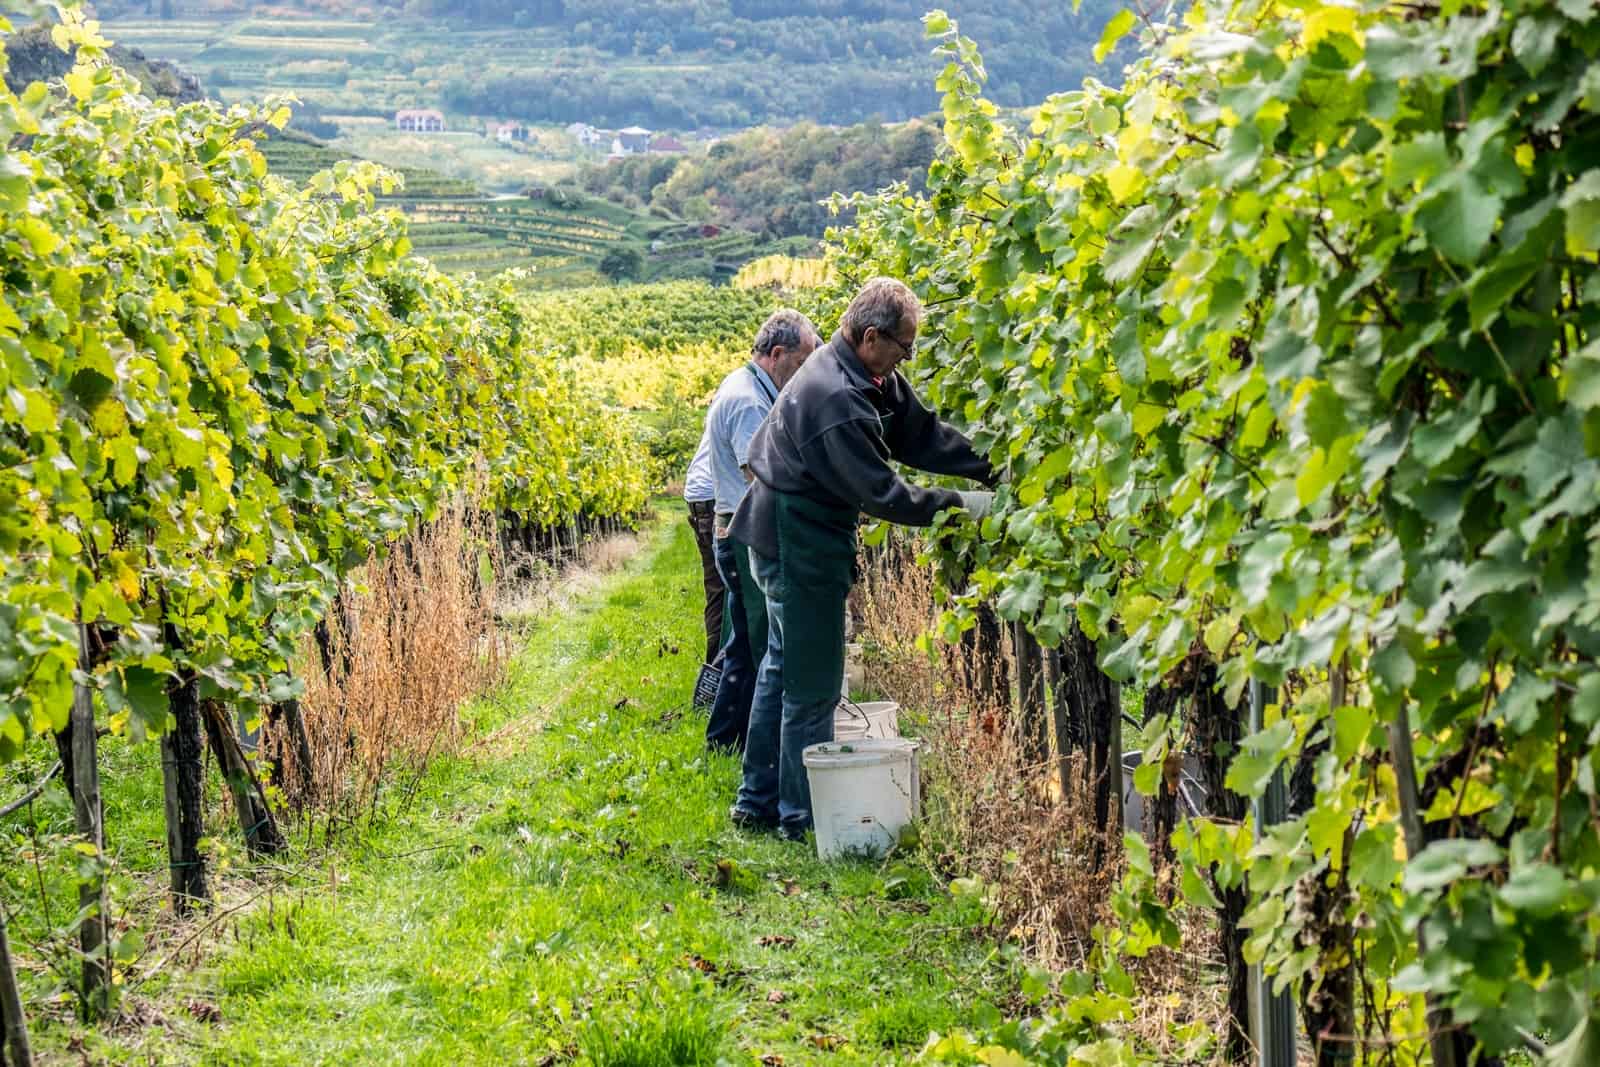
{"x":854,"y":710}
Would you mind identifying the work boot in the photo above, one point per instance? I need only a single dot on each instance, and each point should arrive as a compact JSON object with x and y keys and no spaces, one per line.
{"x":750,"y":823}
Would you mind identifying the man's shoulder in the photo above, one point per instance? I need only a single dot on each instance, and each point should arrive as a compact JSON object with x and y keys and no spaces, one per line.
{"x":737,"y":391}
{"x":823,"y":384}
{"x":733,"y":380}
{"x":732,"y":387}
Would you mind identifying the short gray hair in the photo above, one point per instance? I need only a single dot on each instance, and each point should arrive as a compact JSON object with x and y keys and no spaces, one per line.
{"x":785,"y":328}
{"x":884,"y":303}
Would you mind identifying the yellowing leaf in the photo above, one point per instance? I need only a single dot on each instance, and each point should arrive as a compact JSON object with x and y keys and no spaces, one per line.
{"x":1115,"y":30}
{"x":1125,"y":181}
{"x":1327,"y":21}
{"x":1147,"y":417}
{"x":1219,"y":632}
{"x":38,"y":234}
{"x":80,"y":82}
{"x":125,"y":578}
{"x":8,"y":318}
{"x":1137,"y":610}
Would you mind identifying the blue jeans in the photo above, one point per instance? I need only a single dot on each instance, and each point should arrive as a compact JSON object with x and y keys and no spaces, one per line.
{"x":781,"y":726}
{"x":730,"y":712}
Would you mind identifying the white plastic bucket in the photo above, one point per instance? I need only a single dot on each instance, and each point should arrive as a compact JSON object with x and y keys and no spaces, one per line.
{"x":874,"y":718}
{"x":863,"y":793}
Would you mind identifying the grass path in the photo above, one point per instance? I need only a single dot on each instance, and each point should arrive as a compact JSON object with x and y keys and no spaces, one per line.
{"x":571,"y":890}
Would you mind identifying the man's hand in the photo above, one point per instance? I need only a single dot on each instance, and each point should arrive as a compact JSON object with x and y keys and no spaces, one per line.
{"x":976,"y":503}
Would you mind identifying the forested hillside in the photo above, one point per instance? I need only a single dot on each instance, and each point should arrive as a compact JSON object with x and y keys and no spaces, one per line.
{"x":769,"y":181}
{"x":31,"y":56}
{"x":677,"y":64}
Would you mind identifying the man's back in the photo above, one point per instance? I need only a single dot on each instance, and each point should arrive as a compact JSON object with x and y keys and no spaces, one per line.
{"x":737,"y":410}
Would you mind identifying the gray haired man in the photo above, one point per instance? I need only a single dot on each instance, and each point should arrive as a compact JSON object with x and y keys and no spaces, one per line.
{"x":823,"y":457}
{"x":741,"y":403}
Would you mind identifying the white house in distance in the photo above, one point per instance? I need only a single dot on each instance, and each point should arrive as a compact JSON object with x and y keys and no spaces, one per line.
{"x":507,"y":132}
{"x":586,"y":135}
{"x":419,"y":120}
{"x":633,"y":140}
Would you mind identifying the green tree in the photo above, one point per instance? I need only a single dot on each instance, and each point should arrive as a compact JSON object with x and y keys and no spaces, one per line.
{"x":621,"y":263}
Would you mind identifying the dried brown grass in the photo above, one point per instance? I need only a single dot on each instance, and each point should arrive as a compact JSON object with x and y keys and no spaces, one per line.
{"x":990,"y":815}
{"x":1031,"y":837}
{"x":409,"y":643}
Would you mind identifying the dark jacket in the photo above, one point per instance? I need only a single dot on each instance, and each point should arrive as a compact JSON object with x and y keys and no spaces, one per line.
{"x":830,"y":438}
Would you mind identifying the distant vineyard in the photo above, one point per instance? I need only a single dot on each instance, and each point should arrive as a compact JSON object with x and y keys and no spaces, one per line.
{"x":566,"y":246}
{"x":784,"y":273}
{"x":611,"y":322}
{"x":296,"y":159}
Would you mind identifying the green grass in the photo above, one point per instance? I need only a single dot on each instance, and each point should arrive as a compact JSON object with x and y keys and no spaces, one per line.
{"x":570,"y":888}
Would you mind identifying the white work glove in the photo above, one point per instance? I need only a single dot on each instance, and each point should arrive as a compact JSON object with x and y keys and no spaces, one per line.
{"x":976,"y":503}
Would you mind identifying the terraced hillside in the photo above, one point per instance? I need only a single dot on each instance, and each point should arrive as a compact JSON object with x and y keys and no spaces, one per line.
{"x":568,"y":244}
{"x":564,"y":243}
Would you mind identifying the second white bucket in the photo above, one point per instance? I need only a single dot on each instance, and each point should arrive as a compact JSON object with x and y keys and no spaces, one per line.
{"x":863,"y":793}
{"x":871,"y":718}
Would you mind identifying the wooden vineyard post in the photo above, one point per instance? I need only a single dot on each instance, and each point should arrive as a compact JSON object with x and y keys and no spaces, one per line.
{"x":14,"y":1048}
{"x":183,"y":790}
{"x":1162,"y":809}
{"x":1328,"y":1006}
{"x":1113,"y":764}
{"x":1090,"y":707}
{"x":1035,"y":745}
{"x":1218,"y":728}
{"x":88,"y":816}
{"x":1272,"y":1016}
{"x":1060,"y":717}
{"x":289,"y":731}
{"x":261,"y":834}
{"x":993,"y":670}
{"x":983,"y":660}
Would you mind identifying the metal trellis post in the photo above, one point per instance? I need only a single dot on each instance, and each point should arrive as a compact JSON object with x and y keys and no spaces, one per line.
{"x":1272,"y":1015}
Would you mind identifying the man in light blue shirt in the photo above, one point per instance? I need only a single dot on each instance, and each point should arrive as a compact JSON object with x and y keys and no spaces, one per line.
{"x":741,"y":403}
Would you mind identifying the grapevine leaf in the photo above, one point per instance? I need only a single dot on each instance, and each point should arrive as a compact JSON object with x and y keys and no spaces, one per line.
{"x":141,"y":691}
{"x":1445,"y":862}
{"x":1538,"y":889}
{"x":1115,"y":30}
{"x":1581,"y":202}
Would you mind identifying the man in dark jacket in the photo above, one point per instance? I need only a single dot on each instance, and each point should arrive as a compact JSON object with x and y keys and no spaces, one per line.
{"x":821,"y":458}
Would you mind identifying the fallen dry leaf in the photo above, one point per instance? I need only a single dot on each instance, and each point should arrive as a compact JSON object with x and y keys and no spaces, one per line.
{"x":772,"y":1059}
{"x":827,"y":1042}
{"x":777,"y":996}
{"x":775,"y":941}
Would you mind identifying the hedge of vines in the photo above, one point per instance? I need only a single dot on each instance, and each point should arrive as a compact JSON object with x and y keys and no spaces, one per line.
{"x":1288,"y":346}
{"x":219,"y":393}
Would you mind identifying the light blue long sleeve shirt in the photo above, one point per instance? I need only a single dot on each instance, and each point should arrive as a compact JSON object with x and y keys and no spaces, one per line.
{"x":741,"y":402}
